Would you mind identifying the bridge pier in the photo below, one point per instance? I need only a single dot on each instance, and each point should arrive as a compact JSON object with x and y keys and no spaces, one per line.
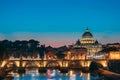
{"x":21,"y":70}
{"x":42,"y":70}
{"x":64,"y":70}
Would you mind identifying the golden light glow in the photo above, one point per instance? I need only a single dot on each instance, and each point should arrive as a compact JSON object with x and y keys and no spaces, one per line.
{"x":23,"y":64}
{"x":71,"y":72}
{"x":4,"y":63}
{"x":104,"y":63}
{"x":87,"y":64}
{"x":60,"y":63}
{"x":44,"y":63}
{"x":68,"y":55}
{"x":66,"y":64}
{"x":88,"y":78}
{"x":114,"y":55}
{"x":17,"y":63}
{"x":37,"y":64}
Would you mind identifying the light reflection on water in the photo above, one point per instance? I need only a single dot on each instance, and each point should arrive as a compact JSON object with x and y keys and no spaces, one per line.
{"x":53,"y":75}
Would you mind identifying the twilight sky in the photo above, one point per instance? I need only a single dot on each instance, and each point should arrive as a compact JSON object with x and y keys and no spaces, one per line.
{"x":59,"y":22}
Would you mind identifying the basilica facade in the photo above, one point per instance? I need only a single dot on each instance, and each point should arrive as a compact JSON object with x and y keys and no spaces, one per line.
{"x":87,"y":41}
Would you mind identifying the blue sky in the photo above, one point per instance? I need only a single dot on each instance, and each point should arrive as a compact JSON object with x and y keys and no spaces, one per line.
{"x":59,"y":21}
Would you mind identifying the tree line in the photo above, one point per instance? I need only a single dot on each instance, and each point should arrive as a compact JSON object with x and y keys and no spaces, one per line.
{"x":31,"y":48}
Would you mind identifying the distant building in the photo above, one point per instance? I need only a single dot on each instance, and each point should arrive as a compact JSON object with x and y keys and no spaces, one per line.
{"x":50,"y":53}
{"x":87,"y":41}
{"x":114,"y":55}
{"x":76,"y":54}
{"x":116,"y":45}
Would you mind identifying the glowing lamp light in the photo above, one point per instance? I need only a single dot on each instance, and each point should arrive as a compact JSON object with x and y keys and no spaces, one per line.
{"x":4,"y":63}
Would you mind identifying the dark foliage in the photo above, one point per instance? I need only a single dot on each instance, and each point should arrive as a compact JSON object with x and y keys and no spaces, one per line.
{"x":60,"y":55}
{"x":114,"y":66}
{"x":107,"y":49}
{"x":2,"y":52}
{"x":20,"y":48}
{"x":94,"y":66}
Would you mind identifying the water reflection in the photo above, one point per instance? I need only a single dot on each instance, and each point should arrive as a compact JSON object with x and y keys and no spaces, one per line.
{"x":51,"y":74}
{"x":72,"y":75}
{"x":54,"y":75}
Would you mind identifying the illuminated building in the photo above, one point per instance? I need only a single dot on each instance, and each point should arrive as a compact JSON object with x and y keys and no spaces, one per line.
{"x":115,"y":45}
{"x":76,"y":54}
{"x":87,"y":38}
{"x":114,"y":55}
{"x":87,"y":41}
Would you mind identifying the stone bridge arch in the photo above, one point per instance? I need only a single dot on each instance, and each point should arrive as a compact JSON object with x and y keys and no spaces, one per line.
{"x":103,"y":62}
{"x":52,"y":64}
{"x":11,"y":64}
{"x":31,"y":64}
{"x":75,"y":64}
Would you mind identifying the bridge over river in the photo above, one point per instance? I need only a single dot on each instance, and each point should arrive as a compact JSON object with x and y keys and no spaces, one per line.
{"x":21,"y":64}
{"x":38,"y":63}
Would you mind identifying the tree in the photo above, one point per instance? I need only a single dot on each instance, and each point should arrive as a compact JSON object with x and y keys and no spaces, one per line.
{"x":2,"y":52}
{"x":24,"y":48}
{"x":60,"y":55}
{"x":42,"y":50}
{"x":6,"y":48}
{"x":33,"y":47}
{"x":17,"y":48}
{"x":33,"y":43}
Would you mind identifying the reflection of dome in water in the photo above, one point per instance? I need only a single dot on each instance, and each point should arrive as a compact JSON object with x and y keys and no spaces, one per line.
{"x":87,"y":38}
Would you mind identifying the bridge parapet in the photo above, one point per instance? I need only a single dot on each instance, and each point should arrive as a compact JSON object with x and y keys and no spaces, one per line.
{"x":12,"y":58}
{"x":23,"y":62}
{"x":96,"y":57}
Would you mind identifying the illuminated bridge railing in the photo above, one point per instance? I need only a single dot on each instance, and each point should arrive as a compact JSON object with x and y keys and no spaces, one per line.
{"x":96,"y":57}
{"x":89,"y":57}
{"x":12,"y":58}
{"x":38,"y":59}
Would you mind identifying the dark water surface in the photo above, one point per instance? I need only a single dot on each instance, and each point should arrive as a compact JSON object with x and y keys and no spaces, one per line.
{"x":54,"y":75}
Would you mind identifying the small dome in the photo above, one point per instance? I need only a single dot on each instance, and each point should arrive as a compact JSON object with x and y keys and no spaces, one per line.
{"x":96,"y":42}
{"x":78,"y":42}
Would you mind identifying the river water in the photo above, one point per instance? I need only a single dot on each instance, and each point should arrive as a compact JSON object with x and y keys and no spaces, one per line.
{"x":54,"y":75}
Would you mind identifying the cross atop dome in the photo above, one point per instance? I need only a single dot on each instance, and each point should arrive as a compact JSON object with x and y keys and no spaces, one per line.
{"x":87,"y":30}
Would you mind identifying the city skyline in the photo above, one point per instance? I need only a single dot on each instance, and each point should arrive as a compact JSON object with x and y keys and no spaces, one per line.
{"x":60,"y":38}
{"x":60,"y":22}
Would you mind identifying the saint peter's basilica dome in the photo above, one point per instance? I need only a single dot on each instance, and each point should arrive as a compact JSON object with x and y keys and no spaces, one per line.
{"x":87,"y":37}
